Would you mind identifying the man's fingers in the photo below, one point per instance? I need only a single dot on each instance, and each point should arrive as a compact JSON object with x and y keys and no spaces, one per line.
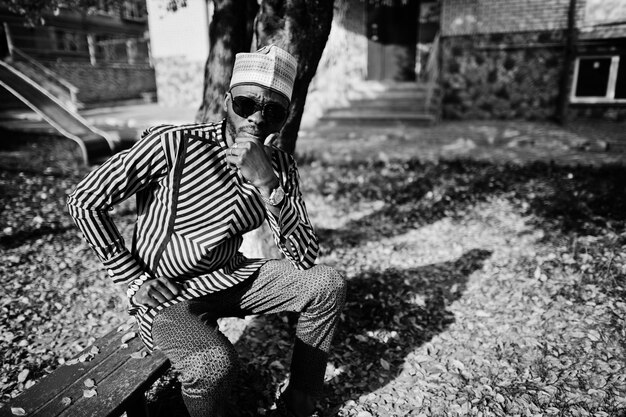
{"x":170,"y":285}
{"x":151,"y":302}
{"x":156,"y":294}
{"x":142,"y":297}
{"x":153,"y":293}
{"x":161,"y":292}
{"x":233,"y":158}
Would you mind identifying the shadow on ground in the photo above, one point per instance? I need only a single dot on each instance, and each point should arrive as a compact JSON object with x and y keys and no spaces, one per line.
{"x":581,"y":200}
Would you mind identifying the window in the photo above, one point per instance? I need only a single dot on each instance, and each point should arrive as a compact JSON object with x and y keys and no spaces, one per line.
{"x":69,"y":41}
{"x":600,"y":79}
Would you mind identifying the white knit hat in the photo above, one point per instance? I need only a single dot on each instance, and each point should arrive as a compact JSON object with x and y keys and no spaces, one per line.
{"x":269,"y":67}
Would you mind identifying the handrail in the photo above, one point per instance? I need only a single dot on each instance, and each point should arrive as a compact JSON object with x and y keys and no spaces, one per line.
{"x":13,"y":50}
{"x":96,"y":51}
{"x":432,"y":65}
{"x":71,"y":87}
{"x":432,"y":71}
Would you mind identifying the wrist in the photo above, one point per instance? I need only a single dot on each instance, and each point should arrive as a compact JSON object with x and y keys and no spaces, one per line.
{"x":266,"y":188}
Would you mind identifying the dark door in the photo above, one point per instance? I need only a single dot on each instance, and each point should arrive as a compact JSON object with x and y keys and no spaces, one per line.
{"x":392,"y":27}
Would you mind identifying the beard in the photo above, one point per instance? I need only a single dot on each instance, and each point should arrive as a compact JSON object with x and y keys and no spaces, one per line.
{"x":245,"y":129}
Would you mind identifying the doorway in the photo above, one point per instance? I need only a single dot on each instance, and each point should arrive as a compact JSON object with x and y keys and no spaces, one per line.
{"x":392,"y":28}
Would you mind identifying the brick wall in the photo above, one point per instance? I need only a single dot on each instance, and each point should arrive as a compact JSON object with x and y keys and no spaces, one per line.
{"x":106,"y":83}
{"x":481,"y":79}
{"x":504,"y":59}
{"x":467,"y":17}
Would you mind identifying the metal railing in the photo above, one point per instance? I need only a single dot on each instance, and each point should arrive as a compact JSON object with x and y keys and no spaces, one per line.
{"x":431,"y":72}
{"x":41,"y":71}
{"x":72,"y":45}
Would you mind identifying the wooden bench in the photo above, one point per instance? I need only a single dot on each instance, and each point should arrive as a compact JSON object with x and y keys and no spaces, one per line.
{"x":121,"y":374}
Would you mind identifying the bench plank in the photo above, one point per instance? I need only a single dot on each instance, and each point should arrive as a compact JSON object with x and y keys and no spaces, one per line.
{"x":119,"y":379}
{"x":126,"y":382}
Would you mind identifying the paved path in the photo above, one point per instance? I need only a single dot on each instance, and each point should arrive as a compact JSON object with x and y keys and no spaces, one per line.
{"x":588,"y":143}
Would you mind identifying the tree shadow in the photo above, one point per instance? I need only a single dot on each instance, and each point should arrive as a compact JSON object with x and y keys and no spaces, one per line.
{"x":388,"y":315}
{"x":580,"y":200}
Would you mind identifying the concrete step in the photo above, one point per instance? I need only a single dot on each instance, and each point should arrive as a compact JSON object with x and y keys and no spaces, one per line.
{"x":384,"y":105}
{"x":395,"y":95}
{"x":399,"y":86}
{"x":347,"y":116}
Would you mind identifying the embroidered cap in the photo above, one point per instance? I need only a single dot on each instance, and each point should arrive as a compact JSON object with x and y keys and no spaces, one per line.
{"x":269,"y":67}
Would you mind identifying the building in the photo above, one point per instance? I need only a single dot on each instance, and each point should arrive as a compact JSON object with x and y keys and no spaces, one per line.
{"x":510,"y":59}
{"x":84,"y":57}
{"x":504,"y":59}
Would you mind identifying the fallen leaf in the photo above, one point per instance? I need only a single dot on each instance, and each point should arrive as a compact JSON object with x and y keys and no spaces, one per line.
{"x":384,"y":364}
{"x":18,"y":411}
{"x":594,"y":335}
{"x":21,"y":377}
{"x":123,"y":328}
{"x":88,"y":393}
{"x":94,"y":350}
{"x":86,"y":357}
{"x":90,"y":383}
{"x":361,"y":338}
{"x":128,"y":336}
{"x":139,"y":355}
{"x":66,"y":401}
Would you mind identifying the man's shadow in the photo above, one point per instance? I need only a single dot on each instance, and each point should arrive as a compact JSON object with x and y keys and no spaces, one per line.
{"x":388,"y":314}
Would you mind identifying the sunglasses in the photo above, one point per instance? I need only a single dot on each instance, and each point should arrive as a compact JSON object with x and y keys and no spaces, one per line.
{"x":271,"y":111}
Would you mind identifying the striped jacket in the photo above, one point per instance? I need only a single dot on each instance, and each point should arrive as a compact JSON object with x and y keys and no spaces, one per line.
{"x":192,"y":210}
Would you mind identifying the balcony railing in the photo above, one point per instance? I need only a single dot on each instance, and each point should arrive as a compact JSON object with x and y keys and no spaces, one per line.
{"x":51,"y":43}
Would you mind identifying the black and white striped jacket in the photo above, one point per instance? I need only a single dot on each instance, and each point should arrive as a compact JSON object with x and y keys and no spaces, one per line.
{"x":192,"y":210}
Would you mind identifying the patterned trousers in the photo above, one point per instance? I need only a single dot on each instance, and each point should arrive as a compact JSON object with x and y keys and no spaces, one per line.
{"x":205,"y":359}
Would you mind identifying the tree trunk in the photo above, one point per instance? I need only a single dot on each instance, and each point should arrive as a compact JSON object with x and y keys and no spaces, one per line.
{"x":230,"y":32}
{"x":302,"y":28}
{"x":569,"y":54}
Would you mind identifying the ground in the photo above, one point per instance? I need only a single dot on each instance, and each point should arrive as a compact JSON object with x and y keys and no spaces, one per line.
{"x":486,"y":267}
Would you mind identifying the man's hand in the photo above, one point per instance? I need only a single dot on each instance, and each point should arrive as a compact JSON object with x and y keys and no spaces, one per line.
{"x":253,"y":159}
{"x":156,"y":291}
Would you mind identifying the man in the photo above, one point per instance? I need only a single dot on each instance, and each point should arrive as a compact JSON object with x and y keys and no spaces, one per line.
{"x":199,"y":188}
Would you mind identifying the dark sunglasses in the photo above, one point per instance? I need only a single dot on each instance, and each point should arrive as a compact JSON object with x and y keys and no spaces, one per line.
{"x":271,"y":111}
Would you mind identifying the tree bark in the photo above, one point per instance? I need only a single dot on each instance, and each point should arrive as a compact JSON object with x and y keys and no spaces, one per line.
{"x":301,"y":27}
{"x":569,"y":54}
{"x":230,"y":32}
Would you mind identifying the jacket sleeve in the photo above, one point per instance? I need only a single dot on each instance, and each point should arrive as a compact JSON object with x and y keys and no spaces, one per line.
{"x":120,"y":177}
{"x":292,"y":229}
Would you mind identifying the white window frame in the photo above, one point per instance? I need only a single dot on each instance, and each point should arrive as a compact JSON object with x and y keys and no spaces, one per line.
{"x":609,"y":97}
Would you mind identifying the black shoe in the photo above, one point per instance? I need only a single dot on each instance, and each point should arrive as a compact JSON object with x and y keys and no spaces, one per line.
{"x":280,"y":409}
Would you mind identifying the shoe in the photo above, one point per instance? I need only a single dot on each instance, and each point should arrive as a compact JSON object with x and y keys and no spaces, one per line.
{"x":280,"y":409}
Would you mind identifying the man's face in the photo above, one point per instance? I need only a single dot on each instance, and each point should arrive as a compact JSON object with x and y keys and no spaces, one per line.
{"x":260,"y":123}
